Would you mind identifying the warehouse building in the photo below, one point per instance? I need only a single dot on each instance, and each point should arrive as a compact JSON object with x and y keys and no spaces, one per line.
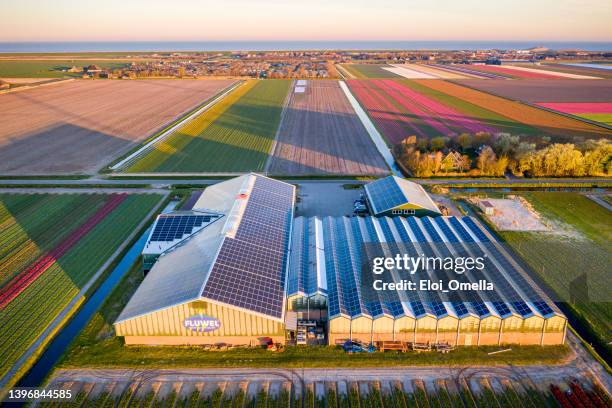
{"x":392,"y":196}
{"x":219,"y":278}
{"x":247,"y":270}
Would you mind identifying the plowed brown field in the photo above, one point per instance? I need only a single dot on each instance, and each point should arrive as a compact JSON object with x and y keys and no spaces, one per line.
{"x":321,"y":134}
{"x":551,"y":124}
{"x":80,"y":126}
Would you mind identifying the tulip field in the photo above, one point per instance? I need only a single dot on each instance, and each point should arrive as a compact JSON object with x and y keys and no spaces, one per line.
{"x":404,"y":108}
{"x":234,"y":135}
{"x":50,"y":247}
{"x":559,"y":127}
{"x":595,"y":111}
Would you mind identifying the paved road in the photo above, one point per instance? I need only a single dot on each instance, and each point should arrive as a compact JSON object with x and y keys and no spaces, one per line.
{"x":601,"y":202}
{"x":163,"y":181}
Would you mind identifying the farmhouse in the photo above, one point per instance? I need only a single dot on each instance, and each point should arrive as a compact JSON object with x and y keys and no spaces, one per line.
{"x":238,"y":268}
{"x":395,"y":196}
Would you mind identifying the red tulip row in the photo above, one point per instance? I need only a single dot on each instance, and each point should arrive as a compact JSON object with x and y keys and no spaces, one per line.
{"x":20,"y":282}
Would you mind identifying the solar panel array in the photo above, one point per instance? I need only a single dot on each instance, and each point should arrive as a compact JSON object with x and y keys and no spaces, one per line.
{"x":344,"y":240}
{"x":385,"y":194}
{"x":170,"y":227}
{"x":250,"y":269}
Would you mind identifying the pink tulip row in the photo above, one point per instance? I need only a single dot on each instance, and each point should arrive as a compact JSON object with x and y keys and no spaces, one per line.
{"x":579,"y":107}
{"x":389,"y":119}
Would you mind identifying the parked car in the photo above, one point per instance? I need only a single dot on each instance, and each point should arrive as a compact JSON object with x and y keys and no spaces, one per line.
{"x":351,"y":346}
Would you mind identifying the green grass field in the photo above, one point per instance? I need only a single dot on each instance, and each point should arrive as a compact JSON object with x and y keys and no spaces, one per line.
{"x":97,"y":346}
{"x":361,"y":71}
{"x":33,"y":224}
{"x":235,"y":135}
{"x":605,"y":118}
{"x":51,"y":68}
{"x":583,"y":248}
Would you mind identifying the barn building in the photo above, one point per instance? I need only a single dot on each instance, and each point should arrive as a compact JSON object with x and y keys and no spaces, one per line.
{"x":238,"y":268}
{"x":220,"y":278}
{"x":392,"y":196}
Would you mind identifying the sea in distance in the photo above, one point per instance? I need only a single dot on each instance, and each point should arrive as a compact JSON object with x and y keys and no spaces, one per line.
{"x":150,"y":46}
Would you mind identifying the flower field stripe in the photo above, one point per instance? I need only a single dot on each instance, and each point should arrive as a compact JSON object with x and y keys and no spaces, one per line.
{"x":549,"y":123}
{"x":408,"y":102}
{"x":579,"y":107}
{"x":470,"y":72}
{"x":37,"y":226}
{"x":517,"y":73}
{"x":25,"y":278}
{"x":449,"y":115}
{"x":183,"y":136}
{"x":384,"y":113}
{"x":396,"y":119}
{"x":552,"y":73}
{"x":438,"y":73}
{"x":406,"y":72}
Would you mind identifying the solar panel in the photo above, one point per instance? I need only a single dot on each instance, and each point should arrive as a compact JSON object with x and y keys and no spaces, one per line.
{"x":243,"y":289}
{"x":171,"y":227}
{"x":501,"y":308}
{"x":481,"y":308}
{"x":460,"y":308}
{"x":474,"y":228}
{"x":522,"y":308}
{"x":439,"y":308}
{"x":435,"y":237}
{"x":417,"y":308}
{"x":385,"y":194}
{"x":416,"y":230}
{"x":543,"y":307}
{"x":273,"y":186}
{"x":450,"y":236}
{"x":250,"y":268}
{"x":459,"y":229}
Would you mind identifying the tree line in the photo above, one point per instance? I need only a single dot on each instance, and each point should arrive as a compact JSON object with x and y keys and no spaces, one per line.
{"x":484,"y":154}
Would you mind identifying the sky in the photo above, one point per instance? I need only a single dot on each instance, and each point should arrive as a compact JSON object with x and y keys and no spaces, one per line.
{"x":320,"y":20}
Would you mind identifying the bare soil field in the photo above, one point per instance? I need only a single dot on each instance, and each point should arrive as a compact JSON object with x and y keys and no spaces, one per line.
{"x":550,"y":90}
{"x":515,"y":214}
{"x":321,"y":134}
{"x":80,"y":126}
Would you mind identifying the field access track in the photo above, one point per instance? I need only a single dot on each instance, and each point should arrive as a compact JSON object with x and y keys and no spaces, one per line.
{"x":79,"y":126}
{"x":234,"y":136}
{"x":51,"y":245}
{"x":321,"y":134}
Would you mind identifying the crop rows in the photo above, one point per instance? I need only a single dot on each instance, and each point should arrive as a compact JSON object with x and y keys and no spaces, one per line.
{"x":547,"y":123}
{"x":405,"y":108}
{"x":560,"y":260}
{"x":235,"y":135}
{"x":32,"y":224}
{"x":511,"y":395}
{"x":362,"y":71}
{"x":80,"y":126}
{"x":27,"y":315}
{"x":321,"y":134}
{"x":25,"y":278}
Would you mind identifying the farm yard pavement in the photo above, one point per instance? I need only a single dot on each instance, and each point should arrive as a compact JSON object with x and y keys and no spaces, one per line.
{"x":321,"y":134}
{"x":582,"y":365}
{"x":80,"y":126}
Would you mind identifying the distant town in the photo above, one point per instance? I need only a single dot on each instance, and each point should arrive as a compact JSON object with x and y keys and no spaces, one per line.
{"x":309,"y":64}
